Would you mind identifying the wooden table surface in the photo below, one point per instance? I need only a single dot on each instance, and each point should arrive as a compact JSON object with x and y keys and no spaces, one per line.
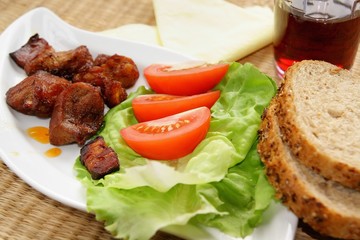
{"x":28,"y":214}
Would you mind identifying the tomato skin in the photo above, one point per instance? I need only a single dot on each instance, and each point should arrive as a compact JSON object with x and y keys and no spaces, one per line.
{"x":155,"y":106}
{"x":149,"y":141}
{"x":184,"y":82}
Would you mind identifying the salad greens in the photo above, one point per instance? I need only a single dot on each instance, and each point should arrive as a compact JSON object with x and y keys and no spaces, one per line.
{"x":220,"y":185}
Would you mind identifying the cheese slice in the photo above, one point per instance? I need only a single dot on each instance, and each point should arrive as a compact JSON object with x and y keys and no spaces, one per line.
{"x":212,"y":30}
{"x":135,"y":32}
{"x":261,"y":12}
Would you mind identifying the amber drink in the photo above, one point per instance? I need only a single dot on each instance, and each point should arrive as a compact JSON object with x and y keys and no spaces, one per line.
{"x":326,"y":30}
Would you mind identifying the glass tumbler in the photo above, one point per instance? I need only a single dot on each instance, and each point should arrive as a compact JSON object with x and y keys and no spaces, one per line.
{"x":327,"y":30}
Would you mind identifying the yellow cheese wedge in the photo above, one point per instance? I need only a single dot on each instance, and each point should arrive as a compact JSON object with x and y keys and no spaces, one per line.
{"x":265,"y":12}
{"x":135,"y":32}
{"x":212,"y":30}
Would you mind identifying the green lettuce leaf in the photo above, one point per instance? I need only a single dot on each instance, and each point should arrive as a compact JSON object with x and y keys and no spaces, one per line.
{"x":244,"y":202}
{"x":140,"y":212}
{"x":220,"y":182}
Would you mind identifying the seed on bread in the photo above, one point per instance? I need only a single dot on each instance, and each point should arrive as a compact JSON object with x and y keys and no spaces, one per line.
{"x":319,"y":116}
{"x":327,"y":206}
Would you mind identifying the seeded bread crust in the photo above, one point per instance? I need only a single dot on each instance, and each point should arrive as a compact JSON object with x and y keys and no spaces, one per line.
{"x":316,"y":122}
{"x":327,"y":206}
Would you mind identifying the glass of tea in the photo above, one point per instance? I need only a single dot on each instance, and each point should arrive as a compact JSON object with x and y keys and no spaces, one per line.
{"x":326,"y":30}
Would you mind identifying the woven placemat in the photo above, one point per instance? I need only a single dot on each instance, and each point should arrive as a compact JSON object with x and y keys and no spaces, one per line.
{"x":24,"y":212}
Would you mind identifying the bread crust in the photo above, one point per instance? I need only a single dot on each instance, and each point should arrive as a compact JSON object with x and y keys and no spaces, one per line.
{"x":300,"y":145}
{"x":293,"y":189}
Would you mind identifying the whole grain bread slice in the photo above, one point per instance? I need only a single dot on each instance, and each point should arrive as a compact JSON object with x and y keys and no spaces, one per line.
{"x":319,"y":116}
{"x":327,"y":206}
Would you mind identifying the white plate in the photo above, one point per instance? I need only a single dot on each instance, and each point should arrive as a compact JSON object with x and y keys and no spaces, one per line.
{"x":55,"y":177}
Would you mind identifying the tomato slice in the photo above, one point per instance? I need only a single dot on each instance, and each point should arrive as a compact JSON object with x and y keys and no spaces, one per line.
{"x":171,"y":137}
{"x":187,"y":81}
{"x":154,"y":106}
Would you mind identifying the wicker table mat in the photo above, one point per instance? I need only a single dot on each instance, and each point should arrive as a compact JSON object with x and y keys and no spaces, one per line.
{"x":28,"y":214}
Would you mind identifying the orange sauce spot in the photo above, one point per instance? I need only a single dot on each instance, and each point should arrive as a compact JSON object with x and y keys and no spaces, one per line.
{"x":39,"y":133}
{"x":53,"y":152}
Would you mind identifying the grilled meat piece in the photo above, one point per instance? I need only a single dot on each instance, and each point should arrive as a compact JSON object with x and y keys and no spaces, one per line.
{"x":64,"y":63}
{"x":78,"y":114}
{"x":34,"y":47}
{"x":112,"y":90}
{"x":37,"y":55}
{"x":36,"y":94}
{"x":121,"y":69}
{"x":114,"y":93}
{"x":101,"y":59}
{"x":94,"y":76}
{"x":98,"y":158}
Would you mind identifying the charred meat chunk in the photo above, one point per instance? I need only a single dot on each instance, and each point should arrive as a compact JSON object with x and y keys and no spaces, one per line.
{"x":94,"y":76}
{"x":78,"y":114}
{"x":101,"y":59}
{"x":118,"y":68}
{"x":36,"y":94}
{"x":112,"y":91}
{"x":34,"y":47}
{"x":121,"y":69}
{"x":98,"y":158}
{"x":64,"y":63}
{"x":37,"y":55}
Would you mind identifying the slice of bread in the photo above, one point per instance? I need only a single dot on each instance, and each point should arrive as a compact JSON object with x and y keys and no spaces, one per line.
{"x":327,"y":206}
{"x":319,"y":116}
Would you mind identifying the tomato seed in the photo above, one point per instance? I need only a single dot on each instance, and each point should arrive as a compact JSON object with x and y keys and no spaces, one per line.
{"x":139,"y":128}
{"x":161,"y":129}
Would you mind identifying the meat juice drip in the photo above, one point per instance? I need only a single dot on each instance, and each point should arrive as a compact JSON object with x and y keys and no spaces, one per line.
{"x":333,"y":38}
